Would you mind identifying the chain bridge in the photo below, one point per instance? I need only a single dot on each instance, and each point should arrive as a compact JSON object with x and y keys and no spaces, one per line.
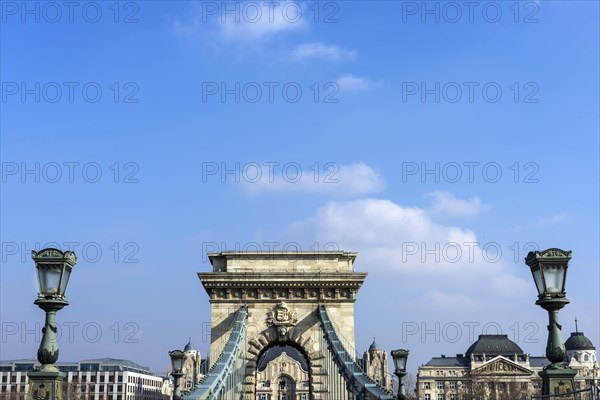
{"x":304,"y":300}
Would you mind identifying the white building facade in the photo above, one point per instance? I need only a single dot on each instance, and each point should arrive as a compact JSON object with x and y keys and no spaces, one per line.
{"x":97,"y":379}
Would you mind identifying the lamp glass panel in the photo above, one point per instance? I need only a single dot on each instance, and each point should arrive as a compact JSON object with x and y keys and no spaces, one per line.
{"x":400,"y":361}
{"x":401,"y":364}
{"x":176,"y":360}
{"x":49,"y":276}
{"x":539,"y":283}
{"x":65,"y":280}
{"x":554,"y":277}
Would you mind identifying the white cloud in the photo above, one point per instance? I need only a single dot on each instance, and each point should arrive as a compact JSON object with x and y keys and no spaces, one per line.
{"x":351,"y":83}
{"x":445,"y":203}
{"x":262,"y":29}
{"x":447,"y":262}
{"x":553,"y":219}
{"x":324,"y":51}
{"x":239,"y":21}
{"x":338,"y":180}
{"x":543,"y":222}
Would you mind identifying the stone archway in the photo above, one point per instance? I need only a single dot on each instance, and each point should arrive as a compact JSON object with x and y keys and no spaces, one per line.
{"x":266,"y":340}
{"x":283,"y":365}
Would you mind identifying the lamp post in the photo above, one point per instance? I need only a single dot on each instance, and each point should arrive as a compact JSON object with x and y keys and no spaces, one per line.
{"x":549,"y":270}
{"x":400,"y":357}
{"x":53,"y":271}
{"x":177,"y":366}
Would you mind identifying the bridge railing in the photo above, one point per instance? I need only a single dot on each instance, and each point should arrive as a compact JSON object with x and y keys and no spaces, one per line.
{"x":355,"y":376}
{"x":589,"y":393}
{"x":221,"y":371}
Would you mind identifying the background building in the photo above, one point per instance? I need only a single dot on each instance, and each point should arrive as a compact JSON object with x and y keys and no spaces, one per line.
{"x":375,"y":364}
{"x":281,"y":376}
{"x":581,"y":355}
{"x":191,"y":367}
{"x":97,"y":379}
{"x":495,"y":367}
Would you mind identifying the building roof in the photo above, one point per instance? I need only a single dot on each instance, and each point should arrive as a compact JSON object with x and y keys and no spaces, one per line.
{"x":578,"y":341}
{"x":444,"y":361}
{"x":102,"y":363}
{"x":374,"y":346}
{"x":494,"y":345}
{"x":114,"y":362}
{"x":538,"y":361}
{"x":189,"y":346}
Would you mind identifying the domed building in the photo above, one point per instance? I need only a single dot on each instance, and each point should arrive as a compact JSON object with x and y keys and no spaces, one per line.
{"x":580,"y":350}
{"x":581,"y":355}
{"x":492,"y":367}
{"x":495,"y":366}
{"x":375,"y":363}
{"x":191,"y":367}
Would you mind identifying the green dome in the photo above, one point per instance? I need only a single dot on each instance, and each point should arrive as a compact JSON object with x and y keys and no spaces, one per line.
{"x":578,"y":341}
{"x":494,"y":345}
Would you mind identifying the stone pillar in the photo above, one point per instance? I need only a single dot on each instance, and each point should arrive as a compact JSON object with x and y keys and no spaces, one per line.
{"x":45,"y":384}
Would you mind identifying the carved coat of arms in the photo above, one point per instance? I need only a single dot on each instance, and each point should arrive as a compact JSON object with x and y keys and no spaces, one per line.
{"x":41,"y":393}
{"x":281,"y":315}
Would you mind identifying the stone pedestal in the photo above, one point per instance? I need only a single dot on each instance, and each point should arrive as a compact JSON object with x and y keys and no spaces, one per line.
{"x":557,"y":381}
{"x":45,"y":384}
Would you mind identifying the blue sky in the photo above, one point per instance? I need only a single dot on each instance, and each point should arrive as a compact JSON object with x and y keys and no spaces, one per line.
{"x":441,"y":144}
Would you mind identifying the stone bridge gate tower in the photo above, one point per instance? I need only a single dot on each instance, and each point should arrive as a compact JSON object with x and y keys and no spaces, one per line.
{"x":282,"y":291}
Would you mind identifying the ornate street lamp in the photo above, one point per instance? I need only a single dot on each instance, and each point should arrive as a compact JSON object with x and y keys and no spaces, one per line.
{"x":53,"y":271}
{"x":400,"y":357}
{"x":549,"y":270}
{"x":177,"y":366}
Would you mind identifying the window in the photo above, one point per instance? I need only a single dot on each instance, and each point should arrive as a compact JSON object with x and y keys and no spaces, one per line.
{"x":440,"y":385}
{"x":304,"y":396}
{"x":586,"y":358}
{"x":440,"y":396}
{"x":452,"y":396}
{"x":427,"y":396}
{"x":426,"y":385}
{"x":452,"y":385}
{"x":266,"y":384}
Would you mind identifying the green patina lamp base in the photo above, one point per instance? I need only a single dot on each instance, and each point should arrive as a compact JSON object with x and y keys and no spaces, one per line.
{"x":558,"y":381}
{"x":45,"y":384}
